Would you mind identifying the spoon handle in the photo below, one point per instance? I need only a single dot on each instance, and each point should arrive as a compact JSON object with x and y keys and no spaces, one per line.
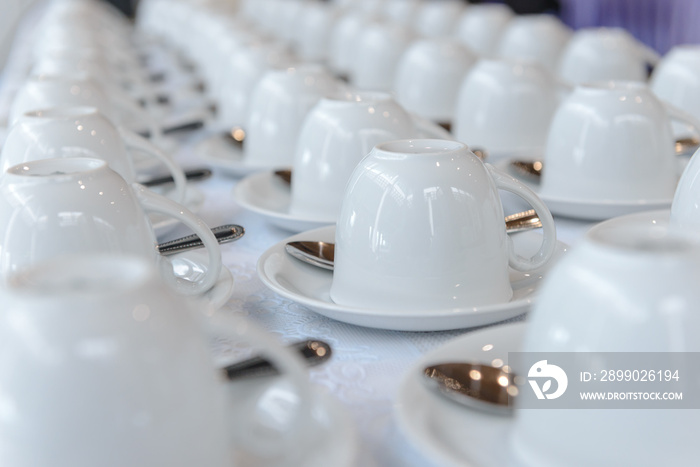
{"x":223,"y":233}
{"x":314,"y":352}
{"x":191,"y":176}
{"x":520,"y":221}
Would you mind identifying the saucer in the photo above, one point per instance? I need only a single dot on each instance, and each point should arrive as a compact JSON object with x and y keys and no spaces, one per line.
{"x":331,"y":431}
{"x":445,"y":432}
{"x":162,"y":224}
{"x":218,"y":152}
{"x":266,"y":194}
{"x":190,"y":265}
{"x":310,"y":286}
{"x":592,"y":210}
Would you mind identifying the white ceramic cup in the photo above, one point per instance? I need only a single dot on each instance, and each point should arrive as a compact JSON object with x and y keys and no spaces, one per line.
{"x":481,"y":26}
{"x":429,"y":74}
{"x":629,"y":286}
{"x":52,"y":207}
{"x":599,"y":54}
{"x":676,"y":79}
{"x":507,"y":106}
{"x":685,"y":208}
{"x":316,"y":22}
{"x":401,"y":11}
{"x":278,"y":106}
{"x":120,"y":81}
{"x":242,"y":70}
{"x":129,"y":364}
{"x":611,"y":142}
{"x":539,"y":38}
{"x":421,"y":227}
{"x":342,"y":47}
{"x":44,"y":92}
{"x":80,"y":131}
{"x":379,"y":48}
{"x":437,"y":19}
{"x":336,"y":134}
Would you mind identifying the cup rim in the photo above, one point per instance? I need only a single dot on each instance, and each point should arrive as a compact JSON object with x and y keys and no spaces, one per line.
{"x":422,"y":147}
{"x":611,"y":85}
{"x":356,"y":97}
{"x":57,"y":167}
{"x":62,"y":112}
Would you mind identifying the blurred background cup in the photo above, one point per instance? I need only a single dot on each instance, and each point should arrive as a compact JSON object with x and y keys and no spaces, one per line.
{"x":629,"y":286}
{"x":437,"y":19}
{"x":676,"y":80}
{"x":278,"y":106}
{"x":685,"y":209}
{"x":62,"y":132}
{"x":130,"y":365}
{"x":599,"y":54}
{"x":428,"y":77}
{"x":315,"y":26}
{"x":242,"y":70}
{"x":481,"y":26}
{"x":336,"y":134}
{"x":343,"y":49}
{"x":54,"y":207}
{"x":421,"y":227}
{"x":44,"y":92}
{"x":540,"y":38}
{"x":379,"y":48}
{"x":611,"y":142}
{"x":401,"y":11}
{"x":506,"y":107}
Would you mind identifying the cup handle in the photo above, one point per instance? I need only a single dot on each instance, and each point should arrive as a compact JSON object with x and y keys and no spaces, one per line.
{"x":683,"y":117}
{"x":152,"y":202}
{"x":549,"y":242}
{"x":292,"y":443}
{"x":140,"y":144}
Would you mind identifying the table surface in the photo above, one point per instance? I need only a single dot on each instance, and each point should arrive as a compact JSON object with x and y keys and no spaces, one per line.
{"x":367,"y":366}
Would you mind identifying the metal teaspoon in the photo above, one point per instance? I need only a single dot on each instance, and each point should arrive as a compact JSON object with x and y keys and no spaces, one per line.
{"x":322,"y":254}
{"x":313,"y":351}
{"x":192,"y":175}
{"x":472,"y":385}
{"x":223,"y":233}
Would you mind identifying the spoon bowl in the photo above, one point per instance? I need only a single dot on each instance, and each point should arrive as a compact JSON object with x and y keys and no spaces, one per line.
{"x":476,"y":386}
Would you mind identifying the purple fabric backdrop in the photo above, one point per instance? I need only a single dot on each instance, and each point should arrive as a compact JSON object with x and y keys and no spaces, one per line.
{"x":660,"y":24}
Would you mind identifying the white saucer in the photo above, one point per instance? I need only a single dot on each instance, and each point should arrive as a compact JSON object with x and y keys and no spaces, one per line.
{"x":310,"y":286}
{"x":444,"y":431}
{"x":586,"y":209}
{"x":266,"y":194}
{"x":162,"y":224}
{"x":216,"y":151}
{"x":331,"y":432}
{"x":190,"y":265}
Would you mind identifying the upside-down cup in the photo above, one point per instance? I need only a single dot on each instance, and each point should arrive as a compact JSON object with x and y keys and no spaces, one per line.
{"x":55,"y":207}
{"x":629,"y":288}
{"x":421,"y":227}
{"x":129,"y":365}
